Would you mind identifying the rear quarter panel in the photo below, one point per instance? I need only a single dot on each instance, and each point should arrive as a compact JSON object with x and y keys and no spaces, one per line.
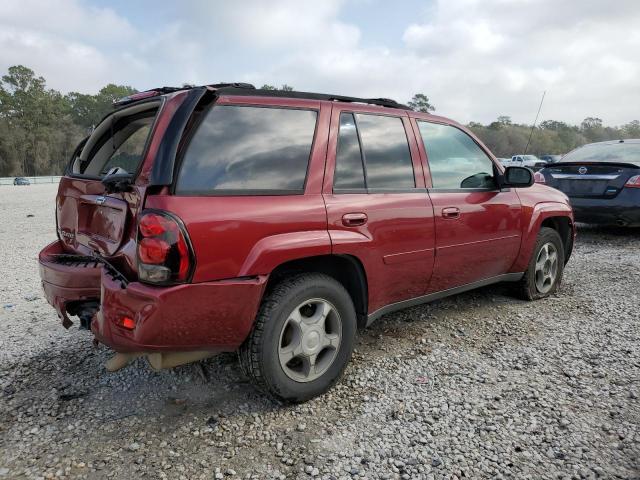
{"x":242,"y":236}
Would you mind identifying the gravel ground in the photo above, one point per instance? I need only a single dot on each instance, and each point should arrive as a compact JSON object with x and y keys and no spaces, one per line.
{"x":479,"y":385}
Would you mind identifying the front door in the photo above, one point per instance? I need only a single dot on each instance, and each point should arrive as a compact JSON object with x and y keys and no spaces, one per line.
{"x":377,"y":205}
{"x":478,"y":226}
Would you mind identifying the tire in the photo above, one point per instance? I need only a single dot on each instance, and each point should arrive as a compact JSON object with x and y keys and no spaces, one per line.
{"x":531,"y":286}
{"x":283,"y":328}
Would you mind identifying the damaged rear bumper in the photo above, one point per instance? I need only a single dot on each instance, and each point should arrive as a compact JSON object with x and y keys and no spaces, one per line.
{"x":209,"y":316}
{"x":67,"y":283}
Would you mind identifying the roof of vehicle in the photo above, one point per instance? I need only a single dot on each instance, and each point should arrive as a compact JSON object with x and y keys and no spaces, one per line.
{"x":246,"y":89}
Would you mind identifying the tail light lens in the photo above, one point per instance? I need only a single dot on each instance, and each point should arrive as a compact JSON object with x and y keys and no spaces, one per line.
{"x":164,"y":254}
{"x":539,"y":178}
{"x":633,"y":182}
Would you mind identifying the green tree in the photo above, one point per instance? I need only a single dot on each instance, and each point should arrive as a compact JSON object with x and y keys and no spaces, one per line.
{"x":420,"y":103}
{"x":632,"y":129}
{"x":88,"y":110}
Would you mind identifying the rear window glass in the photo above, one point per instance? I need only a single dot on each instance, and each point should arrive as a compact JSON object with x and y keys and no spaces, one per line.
{"x":616,"y":152}
{"x":248,"y":150}
{"x":349,"y":170}
{"x":386,"y":152}
{"x":118,"y":142}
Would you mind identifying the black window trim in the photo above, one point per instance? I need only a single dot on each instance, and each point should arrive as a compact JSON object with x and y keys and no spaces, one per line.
{"x":367,"y":190}
{"x":188,"y":137}
{"x":496,"y":172}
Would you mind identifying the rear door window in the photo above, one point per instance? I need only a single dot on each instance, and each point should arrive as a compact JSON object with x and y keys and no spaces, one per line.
{"x":373,"y":153}
{"x":349,"y":173}
{"x":455,"y":160}
{"x":386,"y":152}
{"x":248,"y":150}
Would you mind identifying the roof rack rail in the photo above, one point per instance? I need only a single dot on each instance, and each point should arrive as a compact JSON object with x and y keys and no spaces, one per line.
{"x":240,"y":88}
{"x":233,"y":89}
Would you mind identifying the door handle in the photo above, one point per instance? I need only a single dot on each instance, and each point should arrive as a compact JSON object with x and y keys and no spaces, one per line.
{"x":354,"y":219}
{"x":451,"y":212}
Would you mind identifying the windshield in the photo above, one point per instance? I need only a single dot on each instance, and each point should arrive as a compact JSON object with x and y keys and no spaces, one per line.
{"x":599,"y":152}
{"x":118,"y":142}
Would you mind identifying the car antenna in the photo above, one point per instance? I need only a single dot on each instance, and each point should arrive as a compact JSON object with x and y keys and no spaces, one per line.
{"x":534,"y":123}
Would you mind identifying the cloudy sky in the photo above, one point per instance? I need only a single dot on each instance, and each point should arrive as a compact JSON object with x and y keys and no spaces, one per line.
{"x":475,"y":59}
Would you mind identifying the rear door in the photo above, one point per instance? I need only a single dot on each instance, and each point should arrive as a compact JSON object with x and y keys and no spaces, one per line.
{"x":376,"y":201}
{"x":478,"y":225}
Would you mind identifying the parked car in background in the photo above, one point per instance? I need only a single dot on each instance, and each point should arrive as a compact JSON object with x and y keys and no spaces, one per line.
{"x":602,"y":180}
{"x":21,"y":181}
{"x":550,"y":158}
{"x":199,"y":220}
{"x":530,"y":161}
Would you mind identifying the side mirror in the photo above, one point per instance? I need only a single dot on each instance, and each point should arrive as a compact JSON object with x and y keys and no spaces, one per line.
{"x":517,"y":177}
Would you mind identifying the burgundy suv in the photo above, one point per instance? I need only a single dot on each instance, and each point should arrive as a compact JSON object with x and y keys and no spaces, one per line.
{"x":194,"y":221}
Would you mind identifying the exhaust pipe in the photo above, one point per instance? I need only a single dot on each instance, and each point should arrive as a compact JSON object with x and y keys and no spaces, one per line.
{"x":157,"y":360}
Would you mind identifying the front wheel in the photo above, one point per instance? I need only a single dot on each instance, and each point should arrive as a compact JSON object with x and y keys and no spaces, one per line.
{"x":302,"y":339}
{"x":544,"y":273}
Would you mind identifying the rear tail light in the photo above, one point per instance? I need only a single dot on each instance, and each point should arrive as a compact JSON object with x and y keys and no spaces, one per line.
{"x":164,"y":254}
{"x":633,"y":182}
{"x":539,"y":178}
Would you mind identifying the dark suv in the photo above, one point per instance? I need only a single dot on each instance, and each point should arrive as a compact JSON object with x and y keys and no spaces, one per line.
{"x":224,"y":218}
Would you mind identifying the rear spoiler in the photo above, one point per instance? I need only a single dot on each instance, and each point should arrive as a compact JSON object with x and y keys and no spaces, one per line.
{"x":154,"y":92}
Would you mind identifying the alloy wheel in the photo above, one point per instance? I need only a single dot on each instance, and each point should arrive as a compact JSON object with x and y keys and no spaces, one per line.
{"x":309,"y":340}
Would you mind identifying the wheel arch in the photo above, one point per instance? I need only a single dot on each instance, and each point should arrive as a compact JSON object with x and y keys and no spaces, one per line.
{"x":556,"y":215}
{"x":563,"y":225}
{"x":346,"y":269}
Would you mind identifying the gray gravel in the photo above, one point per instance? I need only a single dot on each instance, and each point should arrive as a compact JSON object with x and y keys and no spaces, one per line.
{"x":479,"y":385}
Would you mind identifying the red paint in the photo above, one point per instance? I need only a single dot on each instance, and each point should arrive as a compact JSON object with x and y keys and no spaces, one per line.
{"x":409,"y":243}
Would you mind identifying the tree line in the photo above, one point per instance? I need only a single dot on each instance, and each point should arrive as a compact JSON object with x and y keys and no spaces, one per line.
{"x":505,"y":138}
{"x":40,"y":127}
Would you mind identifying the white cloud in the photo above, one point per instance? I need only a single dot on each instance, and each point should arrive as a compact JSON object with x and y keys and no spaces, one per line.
{"x":475,"y":59}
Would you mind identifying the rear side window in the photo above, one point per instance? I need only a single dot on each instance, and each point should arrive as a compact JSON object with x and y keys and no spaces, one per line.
{"x":373,"y":153}
{"x":248,"y":150}
{"x":455,"y":160}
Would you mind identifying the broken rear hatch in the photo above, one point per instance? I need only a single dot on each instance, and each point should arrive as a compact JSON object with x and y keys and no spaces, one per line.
{"x":99,"y":197}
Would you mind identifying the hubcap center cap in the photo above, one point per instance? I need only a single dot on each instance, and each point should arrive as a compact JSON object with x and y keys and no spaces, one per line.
{"x":311,"y":341}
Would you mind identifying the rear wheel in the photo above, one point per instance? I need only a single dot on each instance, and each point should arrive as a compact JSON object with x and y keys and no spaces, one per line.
{"x":544,"y":273}
{"x":303,"y":338}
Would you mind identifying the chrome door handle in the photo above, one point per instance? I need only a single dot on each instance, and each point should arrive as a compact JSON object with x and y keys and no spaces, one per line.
{"x":451,"y":212}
